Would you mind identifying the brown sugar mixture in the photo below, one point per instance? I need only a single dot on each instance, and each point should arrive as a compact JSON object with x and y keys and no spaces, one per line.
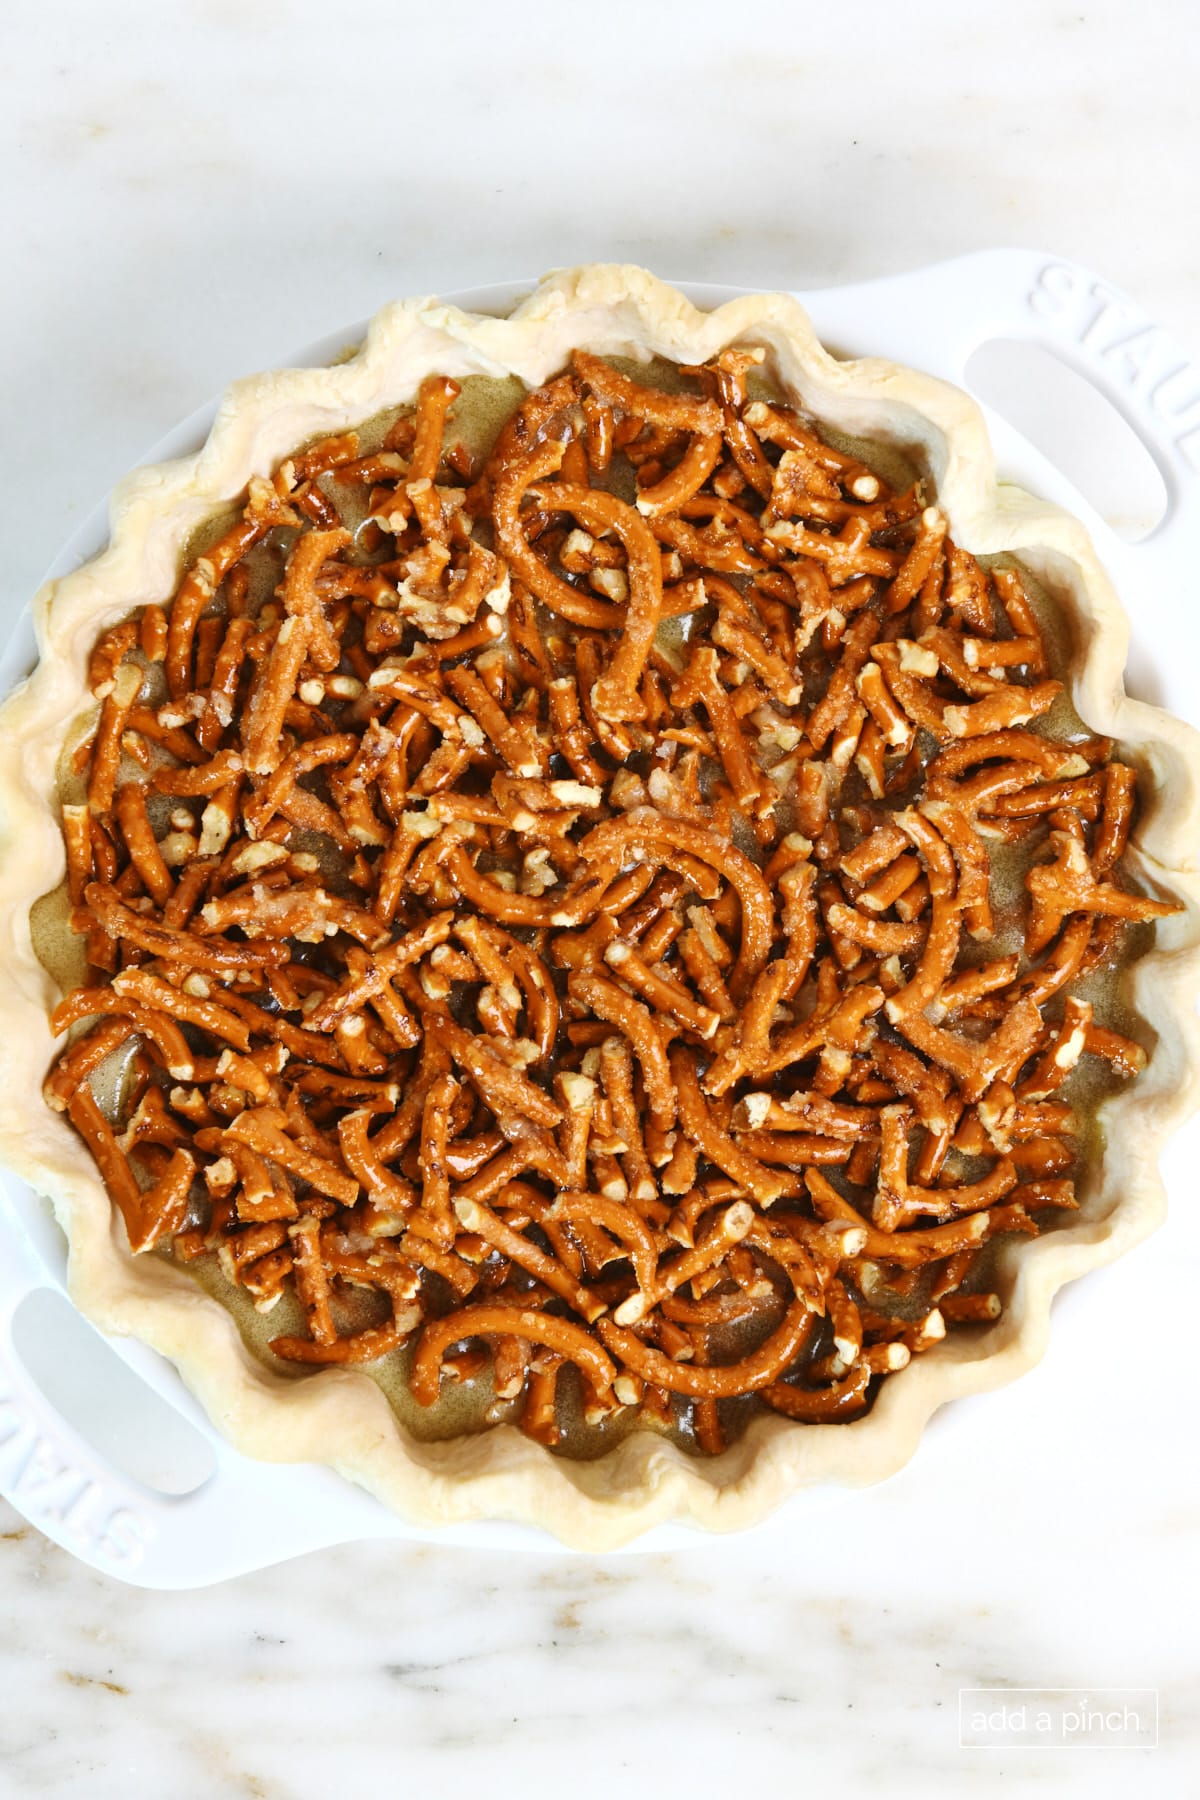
{"x":552,"y":910}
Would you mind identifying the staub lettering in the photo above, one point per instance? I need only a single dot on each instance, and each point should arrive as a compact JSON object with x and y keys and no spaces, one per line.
{"x":1134,"y":352}
{"x":51,"y":1488}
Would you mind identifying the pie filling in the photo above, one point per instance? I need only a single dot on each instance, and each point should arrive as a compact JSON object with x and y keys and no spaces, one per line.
{"x":597,"y":921}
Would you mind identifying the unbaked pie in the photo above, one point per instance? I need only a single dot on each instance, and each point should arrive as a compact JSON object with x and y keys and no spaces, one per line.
{"x":591,"y":921}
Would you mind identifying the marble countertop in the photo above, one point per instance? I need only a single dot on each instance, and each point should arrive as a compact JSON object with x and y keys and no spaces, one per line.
{"x":191,"y":189}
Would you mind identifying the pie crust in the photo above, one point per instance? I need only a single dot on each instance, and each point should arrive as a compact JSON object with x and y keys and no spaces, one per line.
{"x":339,"y":1416}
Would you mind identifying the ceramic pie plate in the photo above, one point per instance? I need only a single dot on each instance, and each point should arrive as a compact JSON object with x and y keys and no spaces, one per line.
{"x":263,"y":1501}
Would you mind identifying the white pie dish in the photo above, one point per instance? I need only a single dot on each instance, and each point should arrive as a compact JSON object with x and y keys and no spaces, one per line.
{"x":872,"y":400}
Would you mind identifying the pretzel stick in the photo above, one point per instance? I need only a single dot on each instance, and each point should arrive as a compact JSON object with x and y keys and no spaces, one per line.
{"x":675,"y":412}
{"x":748,"y":1376}
{"x":649,"y":835}
{"x":561,"y":598}
{"x":297,"y":635}
{"x":841,"y":1399}
{"x":85,"y":1055}
{"x":140,"y":842}
{"x":106,"y":749}
{"x":685,"y":479}
{"x":157,"y":1027}
{"x":615,"y":694}
{"x":631,"y":1231}
{"x":610,"y":1003}
{"x":666,"y":995}
{"x":258,"y":1129}
{"x":907,"y":1249}
{"x":616,"y":1075}
{"x":571,"y":1341}
{"x":365,"y":1346}
{"x":473,"y":1216}
{"x":94,"y":1129}
{"x":726,"y":1231}
{"x":264,"y":510}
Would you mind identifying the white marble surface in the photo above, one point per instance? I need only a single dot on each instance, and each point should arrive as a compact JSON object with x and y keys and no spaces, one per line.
{"x":188,"y":190}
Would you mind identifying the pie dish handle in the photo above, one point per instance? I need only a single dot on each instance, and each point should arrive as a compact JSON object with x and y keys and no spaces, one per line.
{"x":244,"y":1515}
{"x":936,"y":318}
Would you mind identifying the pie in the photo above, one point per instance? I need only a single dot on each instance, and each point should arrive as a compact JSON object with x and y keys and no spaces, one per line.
{"x":591,"y":932}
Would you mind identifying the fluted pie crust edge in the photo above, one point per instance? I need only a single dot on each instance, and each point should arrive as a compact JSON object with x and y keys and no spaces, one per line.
{"x":339,"y":1416}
